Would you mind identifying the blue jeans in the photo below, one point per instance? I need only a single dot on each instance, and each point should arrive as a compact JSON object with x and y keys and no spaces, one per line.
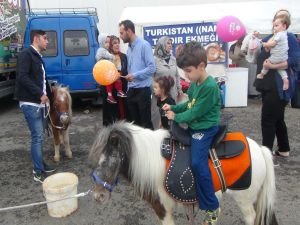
{"x":200,"y":145}
{"x":35,"y":121}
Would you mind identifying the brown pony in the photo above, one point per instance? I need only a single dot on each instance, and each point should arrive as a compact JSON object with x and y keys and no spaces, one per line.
{"x":60,"y":119}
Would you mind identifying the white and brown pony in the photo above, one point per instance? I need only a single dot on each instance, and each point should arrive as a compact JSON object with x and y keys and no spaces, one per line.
{"x":60,"y":119}
{"x":134,"y":152}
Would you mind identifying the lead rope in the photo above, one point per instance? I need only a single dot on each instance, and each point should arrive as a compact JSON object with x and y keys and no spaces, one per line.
{"x":82,"y":194}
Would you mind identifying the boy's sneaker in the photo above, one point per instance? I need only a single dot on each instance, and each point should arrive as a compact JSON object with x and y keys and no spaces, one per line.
{"x":211,"y":217}
{"x":39,"y":177}
{"x":111,"y":99}
{"x":121,"y":94}
{"x":49,"y":169}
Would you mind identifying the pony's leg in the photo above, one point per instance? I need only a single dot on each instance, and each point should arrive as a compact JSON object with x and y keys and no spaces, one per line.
{"x":56,"y":144}
{"x":163,"y":208}
{"x":247,"y":209}
{"x":168,"y":204}
{"x":67,"y":143}
{"x":56,"y":153}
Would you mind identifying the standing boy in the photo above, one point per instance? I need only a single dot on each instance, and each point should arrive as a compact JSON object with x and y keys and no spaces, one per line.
{"x":31,"y":91}
{"x":202,"y":114}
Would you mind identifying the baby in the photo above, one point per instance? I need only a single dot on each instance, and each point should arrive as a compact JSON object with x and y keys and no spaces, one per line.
{"x":278,"y":46}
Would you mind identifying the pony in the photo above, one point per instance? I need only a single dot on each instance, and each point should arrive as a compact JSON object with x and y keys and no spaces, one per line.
{"x":134,"y":152}
{"x":60,"y":119}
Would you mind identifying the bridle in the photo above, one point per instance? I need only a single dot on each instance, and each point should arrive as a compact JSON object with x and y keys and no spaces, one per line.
{"x":109,"y":187}
{"x":59,"y":114}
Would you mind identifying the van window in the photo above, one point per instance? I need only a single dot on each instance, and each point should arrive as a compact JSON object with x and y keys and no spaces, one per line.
{"x":76,"y":43}
{"x":52,"y":44}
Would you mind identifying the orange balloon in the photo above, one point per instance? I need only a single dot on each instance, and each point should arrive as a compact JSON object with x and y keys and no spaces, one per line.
{"x":105,"y":72}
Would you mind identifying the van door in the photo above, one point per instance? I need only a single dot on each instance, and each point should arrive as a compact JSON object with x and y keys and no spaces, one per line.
{"x":52,"y":56}
{"x":78,"y":58}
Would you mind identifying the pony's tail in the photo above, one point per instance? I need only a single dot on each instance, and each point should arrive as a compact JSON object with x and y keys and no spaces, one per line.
{"x":265,"y":201}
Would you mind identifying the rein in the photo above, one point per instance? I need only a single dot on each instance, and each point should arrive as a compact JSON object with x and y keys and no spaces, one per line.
{"x":107,"y":186}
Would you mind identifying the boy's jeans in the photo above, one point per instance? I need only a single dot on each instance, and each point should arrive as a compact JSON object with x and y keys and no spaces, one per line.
{"x":200,"y":145}
{"x":35,"y":120}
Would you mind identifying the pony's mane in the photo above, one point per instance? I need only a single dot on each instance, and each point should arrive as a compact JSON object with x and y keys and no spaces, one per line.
{"x":64,"y":91}
{"x":146,"y":163}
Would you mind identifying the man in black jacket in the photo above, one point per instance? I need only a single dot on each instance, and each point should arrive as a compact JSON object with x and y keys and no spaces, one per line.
{"x":31,"y":91}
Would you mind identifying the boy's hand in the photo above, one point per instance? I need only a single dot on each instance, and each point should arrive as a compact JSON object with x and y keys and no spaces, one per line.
{"x":166,"y":107}
{"x":170,"y":115}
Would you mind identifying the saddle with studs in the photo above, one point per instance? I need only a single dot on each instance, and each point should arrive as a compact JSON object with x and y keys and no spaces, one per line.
{"x":179,"y":181}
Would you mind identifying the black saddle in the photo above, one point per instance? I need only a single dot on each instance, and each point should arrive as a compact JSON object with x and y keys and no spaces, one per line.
{"x":223,"y":150}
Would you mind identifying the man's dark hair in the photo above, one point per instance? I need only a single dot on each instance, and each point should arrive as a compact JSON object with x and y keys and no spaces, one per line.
{"x":34,"y":33}
{"x":128,"y":24}
{"x":191,"y":54}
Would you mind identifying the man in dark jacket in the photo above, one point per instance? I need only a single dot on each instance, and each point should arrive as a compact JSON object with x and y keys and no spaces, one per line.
{"x":31,"y":91}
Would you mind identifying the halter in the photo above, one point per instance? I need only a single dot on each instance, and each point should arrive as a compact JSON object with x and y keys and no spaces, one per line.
{"x":59,"y":114}
{"x":107,"y":186}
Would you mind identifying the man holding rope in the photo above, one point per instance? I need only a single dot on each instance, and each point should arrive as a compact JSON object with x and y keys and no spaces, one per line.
{"x":31,"y":91}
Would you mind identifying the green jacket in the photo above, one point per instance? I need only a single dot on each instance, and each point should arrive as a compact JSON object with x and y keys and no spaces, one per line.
{"x":202,"y":110}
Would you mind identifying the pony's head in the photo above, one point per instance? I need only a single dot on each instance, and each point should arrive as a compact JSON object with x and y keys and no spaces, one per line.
{"x":61,"y":108}
{"x":108,"y":156}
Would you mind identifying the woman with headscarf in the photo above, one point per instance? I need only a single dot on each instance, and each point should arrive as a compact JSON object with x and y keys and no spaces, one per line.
{"x":165,"y":66}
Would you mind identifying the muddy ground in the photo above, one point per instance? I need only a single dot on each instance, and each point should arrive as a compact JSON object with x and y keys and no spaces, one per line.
{"x":17,"y":185}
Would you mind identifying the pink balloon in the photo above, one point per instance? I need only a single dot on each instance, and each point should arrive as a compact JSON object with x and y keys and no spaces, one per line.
{"x":230,"y":28}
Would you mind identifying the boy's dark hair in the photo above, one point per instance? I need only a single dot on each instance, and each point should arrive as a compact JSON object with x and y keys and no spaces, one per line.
{"x":128,"y":24}
{"x":165,"y":83}
{"x":191,"y":54}
{"x":34,"y":33}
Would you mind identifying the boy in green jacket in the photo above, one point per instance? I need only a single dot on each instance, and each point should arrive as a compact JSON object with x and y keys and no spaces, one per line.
{"x":202,"y":114}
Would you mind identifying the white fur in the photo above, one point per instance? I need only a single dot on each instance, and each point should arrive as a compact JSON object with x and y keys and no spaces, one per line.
{"x":148,"y":169}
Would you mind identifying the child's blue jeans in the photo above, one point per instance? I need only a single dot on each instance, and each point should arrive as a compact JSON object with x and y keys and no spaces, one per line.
{"x":200,"y":145}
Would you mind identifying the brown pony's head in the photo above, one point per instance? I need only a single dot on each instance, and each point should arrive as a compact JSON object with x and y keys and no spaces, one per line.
{"x":61,"y":107}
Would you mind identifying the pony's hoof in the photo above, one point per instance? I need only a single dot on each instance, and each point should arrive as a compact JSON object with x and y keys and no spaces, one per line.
{"x":70,"y":156}
{"x":56,"y":158}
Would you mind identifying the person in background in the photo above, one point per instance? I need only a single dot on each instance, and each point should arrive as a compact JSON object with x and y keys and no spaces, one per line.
{"x":103,"y":53}
{"x":161,"y":88}
{"x":141,"y":67}
{"x":274,"y":98}
{"x":33,"y":93}
{"x":236,"y":54}
{"x":114,"y":112}
{"x":202,"y":114}
{"x":251,"y":47}
{"x":165,"y":66}
{"x":278,"y":47}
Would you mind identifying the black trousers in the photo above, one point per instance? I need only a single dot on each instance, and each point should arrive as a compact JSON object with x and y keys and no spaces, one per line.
{"x":139,"y":106}
{"x":272,"y":121}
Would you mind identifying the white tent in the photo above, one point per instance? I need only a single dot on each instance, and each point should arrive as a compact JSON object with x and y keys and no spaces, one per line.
{"x":254,"y":15}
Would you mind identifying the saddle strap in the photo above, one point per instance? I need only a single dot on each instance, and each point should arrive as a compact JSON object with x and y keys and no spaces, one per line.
{"x":217,"y":165}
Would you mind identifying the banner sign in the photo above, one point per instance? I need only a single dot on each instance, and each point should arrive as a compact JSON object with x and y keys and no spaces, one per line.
{"x":205,"y":33}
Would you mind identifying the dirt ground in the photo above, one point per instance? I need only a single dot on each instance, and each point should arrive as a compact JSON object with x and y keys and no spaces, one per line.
{"x":17,"y":186}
